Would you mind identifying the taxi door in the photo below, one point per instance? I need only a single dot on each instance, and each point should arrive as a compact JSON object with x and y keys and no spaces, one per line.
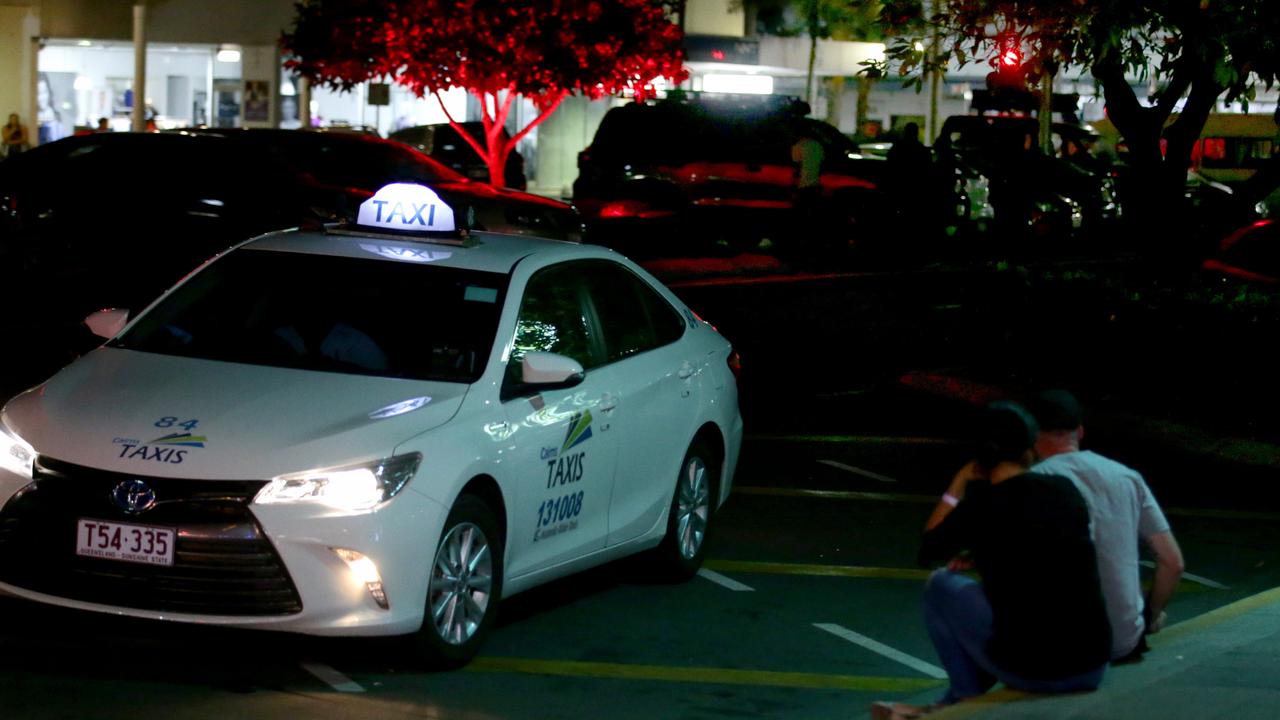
{"x":565,"y":449}
{"x":657,"y":398}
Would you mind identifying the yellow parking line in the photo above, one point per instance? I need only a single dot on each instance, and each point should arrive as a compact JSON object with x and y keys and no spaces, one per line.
{"x":1222,"y":514}
{"x":819,"y":570}
{"x":930,"y":499}
{"x":834,"y":494}
{"x":721,"y":676}
{"x":856,"y":571}
{"x":851,"y":439}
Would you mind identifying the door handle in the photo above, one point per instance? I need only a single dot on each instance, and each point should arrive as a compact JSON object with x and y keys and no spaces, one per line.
{"x":607,"y":402}
{"x":686,"y":371}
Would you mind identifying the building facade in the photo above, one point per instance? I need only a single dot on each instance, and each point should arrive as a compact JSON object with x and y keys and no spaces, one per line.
{"x":67,"y":64}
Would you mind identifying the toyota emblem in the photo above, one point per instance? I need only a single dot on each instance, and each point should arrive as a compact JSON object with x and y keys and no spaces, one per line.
{"x":133,"y":496}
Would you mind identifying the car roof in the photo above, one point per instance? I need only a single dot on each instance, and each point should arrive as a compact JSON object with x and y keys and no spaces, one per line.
{"x":485,"y":251}
{"x":289,"y":141}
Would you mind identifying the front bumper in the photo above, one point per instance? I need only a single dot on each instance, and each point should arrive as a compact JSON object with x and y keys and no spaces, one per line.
{"x":236,"y":564}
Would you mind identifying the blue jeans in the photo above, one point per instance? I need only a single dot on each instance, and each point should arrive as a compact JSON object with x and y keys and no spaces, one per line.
{"x":958,"y":617}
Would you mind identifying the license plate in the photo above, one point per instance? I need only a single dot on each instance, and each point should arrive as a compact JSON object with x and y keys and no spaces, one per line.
{"x":124,"y":541}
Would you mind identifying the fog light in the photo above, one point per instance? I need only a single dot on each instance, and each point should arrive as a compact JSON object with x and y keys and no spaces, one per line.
{"x":365,"y":571}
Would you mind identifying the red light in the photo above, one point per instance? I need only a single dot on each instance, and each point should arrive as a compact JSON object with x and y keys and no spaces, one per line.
{"x":623,"y":208}
{"x":735,"y":364}
{"x":633,"y":209}
{"x":1010,"y":58}
{"x":717,"y":54}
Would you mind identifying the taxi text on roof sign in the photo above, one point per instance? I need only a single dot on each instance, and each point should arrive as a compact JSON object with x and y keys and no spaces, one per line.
{"x":406,"y":207}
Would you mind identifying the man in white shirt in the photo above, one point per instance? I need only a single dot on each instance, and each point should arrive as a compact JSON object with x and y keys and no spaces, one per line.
{"x":1122,"y":512}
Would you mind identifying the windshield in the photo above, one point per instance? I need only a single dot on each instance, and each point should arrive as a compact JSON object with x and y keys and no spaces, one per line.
{"x":334,"y":314}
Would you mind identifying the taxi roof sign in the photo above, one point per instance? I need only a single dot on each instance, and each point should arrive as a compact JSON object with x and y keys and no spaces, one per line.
{"x":407,"y":208}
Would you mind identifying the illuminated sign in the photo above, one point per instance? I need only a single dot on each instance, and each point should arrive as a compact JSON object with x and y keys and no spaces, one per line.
{"x":406,"y":207}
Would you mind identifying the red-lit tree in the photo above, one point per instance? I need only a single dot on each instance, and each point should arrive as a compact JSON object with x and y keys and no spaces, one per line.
{"x":498,"y":50}
{"x":1196,"y":52}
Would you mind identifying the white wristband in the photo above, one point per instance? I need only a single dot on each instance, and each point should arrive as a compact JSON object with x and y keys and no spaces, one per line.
{"x":950,"y":499}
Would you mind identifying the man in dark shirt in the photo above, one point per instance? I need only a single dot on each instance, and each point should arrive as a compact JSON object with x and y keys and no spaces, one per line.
{"x":1037,"y":621}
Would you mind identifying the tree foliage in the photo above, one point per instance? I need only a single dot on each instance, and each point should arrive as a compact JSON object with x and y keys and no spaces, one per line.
{"x":819,"y":20}
{"x":1192,"y":51}
{"x":497,"y":50}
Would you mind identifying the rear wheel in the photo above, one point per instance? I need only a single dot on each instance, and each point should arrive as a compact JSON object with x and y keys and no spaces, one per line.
{"x":684,"y":547}
{"x":465,"y":585}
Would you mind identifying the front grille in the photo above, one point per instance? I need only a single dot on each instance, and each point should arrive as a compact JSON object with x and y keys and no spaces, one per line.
{"x":223,"y":562}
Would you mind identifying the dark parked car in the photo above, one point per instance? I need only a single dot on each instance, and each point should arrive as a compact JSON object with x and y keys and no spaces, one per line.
{"x":443,"y":143}
{"x":714,"y":168}
{"x":1250,"y":256}
{"x":351,"y":167}
{"x":1031,"y":191}
{"x":114,"y":219}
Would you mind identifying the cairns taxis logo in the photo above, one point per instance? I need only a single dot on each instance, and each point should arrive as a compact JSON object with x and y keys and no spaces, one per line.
{"x":579,"y":432}
{"x":165,"y":449}
{"x":564,"y":467}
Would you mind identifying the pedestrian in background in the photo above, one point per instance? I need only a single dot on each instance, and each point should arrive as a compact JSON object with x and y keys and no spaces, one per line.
{"x":912,"y":186}
{"x":1123,"y":514}
{"x":811,"y":226}
{"x":1036,"y":621}
{"x":14,"y":136}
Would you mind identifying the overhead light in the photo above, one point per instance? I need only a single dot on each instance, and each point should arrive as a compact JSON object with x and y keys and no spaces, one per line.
{"x":85,"y":43}
{"x":228,"y":53}
{"x":83,"y":82}
{"x":748,"y":84}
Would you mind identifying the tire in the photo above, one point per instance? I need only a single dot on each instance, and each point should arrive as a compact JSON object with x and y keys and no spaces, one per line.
{"x":682,"y":550}
{"x":462,"y":603}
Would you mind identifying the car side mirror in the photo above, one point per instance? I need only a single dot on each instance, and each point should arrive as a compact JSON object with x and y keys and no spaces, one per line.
{"x":550,"y":371}
{"x":107,"y":323}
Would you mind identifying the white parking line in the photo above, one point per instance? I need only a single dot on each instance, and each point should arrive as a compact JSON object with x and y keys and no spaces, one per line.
{"x":1193,"y":578}
{"x":723,"y":581}
{"x":858,"y":471}
{"x":332,"y":678}
{"x":917,"y":664}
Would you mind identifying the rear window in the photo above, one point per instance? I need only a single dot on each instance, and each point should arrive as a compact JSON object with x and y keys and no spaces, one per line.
{"x":673,"y":133}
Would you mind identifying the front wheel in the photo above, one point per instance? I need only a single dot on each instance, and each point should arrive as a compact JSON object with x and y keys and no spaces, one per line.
{"x":682,"y":550}
{"x":465,"y":585}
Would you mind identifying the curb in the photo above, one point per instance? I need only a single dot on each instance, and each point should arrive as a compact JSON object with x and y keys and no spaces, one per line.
{"x":1164,"y":663}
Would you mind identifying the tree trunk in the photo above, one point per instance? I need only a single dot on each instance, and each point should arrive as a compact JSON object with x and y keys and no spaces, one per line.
{"x":813,"y":60}
{"x":864,"y":104}
{"x":835,"y":99}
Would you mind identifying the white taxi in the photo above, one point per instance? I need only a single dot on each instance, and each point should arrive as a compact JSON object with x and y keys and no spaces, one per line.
{"x":380,"y":428}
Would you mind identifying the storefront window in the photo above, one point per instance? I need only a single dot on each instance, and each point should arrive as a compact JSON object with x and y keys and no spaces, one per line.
{"x":86,"y":86}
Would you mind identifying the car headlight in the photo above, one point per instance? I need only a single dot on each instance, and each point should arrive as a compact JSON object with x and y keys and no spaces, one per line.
{"x":352,"y":487}
{"x":16,"y":455}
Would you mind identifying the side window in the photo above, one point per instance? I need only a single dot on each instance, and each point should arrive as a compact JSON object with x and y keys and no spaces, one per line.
{"x":552,"y":319}
{"x":633,"y":318}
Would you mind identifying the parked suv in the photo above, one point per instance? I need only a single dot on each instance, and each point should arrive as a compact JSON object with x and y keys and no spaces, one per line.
{"x":1031,"y":191}
{"x":714,"y":167}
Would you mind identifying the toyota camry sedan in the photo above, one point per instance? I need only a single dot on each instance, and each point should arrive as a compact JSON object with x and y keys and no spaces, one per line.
{"x":381,"y":427}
